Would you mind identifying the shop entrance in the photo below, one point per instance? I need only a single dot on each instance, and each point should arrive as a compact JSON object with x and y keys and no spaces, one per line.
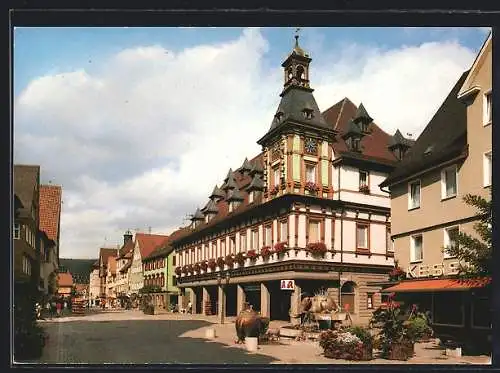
{"x":280,"y":301}
{"x":231,"y":300}
{"x":198,"y":307}
{"x":211,"y":306}
{"x":252,"y":295}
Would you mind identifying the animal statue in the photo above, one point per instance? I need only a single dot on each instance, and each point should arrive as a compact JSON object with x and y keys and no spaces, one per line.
{"x":320,"y":303}
{"x":250,"y":324}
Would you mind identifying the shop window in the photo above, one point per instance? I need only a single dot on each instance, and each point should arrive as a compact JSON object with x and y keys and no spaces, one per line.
{"x":448,"y":308}
{"x":481,"y":310}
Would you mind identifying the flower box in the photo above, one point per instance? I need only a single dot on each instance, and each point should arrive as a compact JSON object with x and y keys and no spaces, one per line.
{"x":220,"y":262}
{"x":364,"y":189}
{"x":204,"y":265}
{"x":280,"y":248}
{"x":401,"y":351}
{"x":212,"y":264}
{"x":196,"y":268}
{"x":240,"y":259}
{"x":229,"y":261}
{"x":266,"y":252}
{"x":316,"y":249}
{"x":252,"y":255}
{"x":311,"y":187}
{"x":178,"y":271}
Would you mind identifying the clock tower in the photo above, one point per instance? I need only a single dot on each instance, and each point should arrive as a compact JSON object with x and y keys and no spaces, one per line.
{"x":298,"y":146}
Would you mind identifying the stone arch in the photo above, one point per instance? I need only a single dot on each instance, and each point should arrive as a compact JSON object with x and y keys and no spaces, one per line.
{"x":348,"y":296}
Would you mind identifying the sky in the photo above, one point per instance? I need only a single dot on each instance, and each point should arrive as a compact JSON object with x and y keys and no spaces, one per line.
{"x":138,"y":124}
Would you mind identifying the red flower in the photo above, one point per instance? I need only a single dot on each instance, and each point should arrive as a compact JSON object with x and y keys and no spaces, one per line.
{"x":220,"y":262}
{"x":251,"y":254}
{"x":229,"y":260}
{"x":204,"y":265}
{"x":265,"y":251}
{"x":280,"y":247}
{"x":310,"y":186}
{"x":316,"y":248}
{"x":240,"y":258}
{"x":211,"y":264}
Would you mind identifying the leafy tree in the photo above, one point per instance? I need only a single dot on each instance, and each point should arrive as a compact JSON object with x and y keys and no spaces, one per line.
{"x":475,"y":254}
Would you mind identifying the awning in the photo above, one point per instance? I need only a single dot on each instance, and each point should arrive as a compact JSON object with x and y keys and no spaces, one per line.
{"x":438,"y":285}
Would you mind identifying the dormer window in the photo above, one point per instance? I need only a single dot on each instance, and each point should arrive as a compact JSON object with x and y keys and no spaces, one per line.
{"x":278,"y":116}
{"x":308,"y":113}
{"x":355,"y":144}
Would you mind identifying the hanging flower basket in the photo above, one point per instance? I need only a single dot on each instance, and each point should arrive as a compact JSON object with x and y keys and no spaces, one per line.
{"x":266,"y":252}
{"x":185,"y":270}
{"x":178,"y":271}
{"x":274,"y":190}
{"x":280,"y":247}
{"x":240,"y":259}
{"x":204,"y":265}
{"x":220,"y":262}
{"x":364,"y":189}
{"x":316,"y":248}
{"x":197,"y":268}
{"x":229,"y":261}
{"x":397,"y":274}
{"x":190,"y":268}
{"x":212,"y":264}
{"x":252,"y":254}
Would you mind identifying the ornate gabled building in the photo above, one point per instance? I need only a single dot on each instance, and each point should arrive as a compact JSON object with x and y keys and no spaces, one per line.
{"x":307,"y":208}
{"x":123,"y":263}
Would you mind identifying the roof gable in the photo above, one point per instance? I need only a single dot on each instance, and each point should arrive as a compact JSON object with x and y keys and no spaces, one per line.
{"x":149,"y":242}
{"x":65,"y":279}
{"x":26,"y":180}
{"x":467,"y":86}
{"x":50,"y":210}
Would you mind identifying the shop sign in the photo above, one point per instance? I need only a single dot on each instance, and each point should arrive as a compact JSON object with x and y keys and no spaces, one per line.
{"x":287,"y":285}
{"x":434,"y":270}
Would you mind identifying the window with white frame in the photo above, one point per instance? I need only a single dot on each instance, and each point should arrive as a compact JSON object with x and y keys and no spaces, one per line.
{"x":268,"y":238}
{"x":284,"y":231}
{"x":414,"y":194}
{"x":254,"y":243}
{"x":449,"y":241}
{"x":243,"y":242}
{"x":363,"y":178}
{"x":314,"y":230}
{"x":310,"y":173}
{"x":487,"y":117}
{"x":276,"y":176}
{"x":416,"y":248}
{"x":449,"y":182}
{"x":487,"y":169}
{"x":362,"y":236}
{"x":17,"y":231}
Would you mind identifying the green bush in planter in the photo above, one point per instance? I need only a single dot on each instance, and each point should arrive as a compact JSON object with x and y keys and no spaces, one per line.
{"x":418,"y":327}
{"x":363,"y":334}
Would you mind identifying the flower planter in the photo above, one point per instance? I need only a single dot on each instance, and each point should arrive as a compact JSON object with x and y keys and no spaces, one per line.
{"x":367,"y":352}
{"x":401,"y":351}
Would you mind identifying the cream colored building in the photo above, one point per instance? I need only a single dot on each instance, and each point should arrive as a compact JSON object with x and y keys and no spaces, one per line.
{"x":450,"y":159}
{"x":123,"y":263}
{"x":95,"y":283}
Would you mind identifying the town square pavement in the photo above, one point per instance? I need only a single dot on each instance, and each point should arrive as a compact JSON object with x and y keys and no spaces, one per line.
{"x":130,"y":337}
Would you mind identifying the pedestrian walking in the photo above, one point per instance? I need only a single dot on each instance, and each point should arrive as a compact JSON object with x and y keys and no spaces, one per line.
{"x":58,"y":308}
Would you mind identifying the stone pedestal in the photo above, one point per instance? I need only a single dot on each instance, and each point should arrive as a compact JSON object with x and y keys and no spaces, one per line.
{"x":192,"y":299}
{"x":205,"y":299}
{"x":240,"y":299}
{"x":221,"y":306}
{"x":295,"y":305}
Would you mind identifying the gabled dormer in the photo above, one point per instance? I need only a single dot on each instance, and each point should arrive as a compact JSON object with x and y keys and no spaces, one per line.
{"x":197,"y":218}
{"x":245,"y":167}
{"x":399,"y":145}
{"x":210,"y":210}
{"x":362,"y":119}
{"x":353,"y":136}
{"x":229,"y":182}
{"x":234,"y":199}
{"x":217,"y":194}
{"x":255,"y":187}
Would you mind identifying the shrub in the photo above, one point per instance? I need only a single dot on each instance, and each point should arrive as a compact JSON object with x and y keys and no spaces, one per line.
{"x":341,"y":345}
{"x":418,"y":327}
{"x":266,"y":252}
{"x":240,"y":258}
{"x":252,"y":254}
{"x":316,"y":248}
{"x":204,"y":265}
{"x":363,"y":334}
{"x":280,"y":247}
{"x":212,"y":264}
{"x":220,"y":262}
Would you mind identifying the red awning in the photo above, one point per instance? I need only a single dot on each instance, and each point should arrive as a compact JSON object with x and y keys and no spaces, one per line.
{"x":438,"y":285}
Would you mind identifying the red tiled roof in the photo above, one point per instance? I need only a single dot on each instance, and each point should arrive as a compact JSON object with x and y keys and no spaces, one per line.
{"x":105,"y":253}
{"x":374,"y":144}
{"x":65,"y":279}
{"x":50,"y":210}
{"x":128,"y":247}
{"x":149,"y":242}
{"x":438,"y":285}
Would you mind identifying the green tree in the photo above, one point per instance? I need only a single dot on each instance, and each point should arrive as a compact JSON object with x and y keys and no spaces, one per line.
{"x":475,"y":253}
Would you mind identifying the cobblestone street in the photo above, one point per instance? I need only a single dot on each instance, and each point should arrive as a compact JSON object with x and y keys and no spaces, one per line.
{"x":132,"y":337}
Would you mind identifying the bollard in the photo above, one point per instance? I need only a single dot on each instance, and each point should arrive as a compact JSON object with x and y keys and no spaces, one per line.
{"x":251,"y":343}
{"x":210,"y":333}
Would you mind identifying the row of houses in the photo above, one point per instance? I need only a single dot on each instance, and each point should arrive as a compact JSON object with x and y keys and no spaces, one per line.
{"x":36,"y":233}
{"x":332,"y":201}
{"x":330,"y":204}
{"x":143,"y":263}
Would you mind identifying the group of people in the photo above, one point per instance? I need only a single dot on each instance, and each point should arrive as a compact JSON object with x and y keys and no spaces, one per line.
{"x":54,"y":307}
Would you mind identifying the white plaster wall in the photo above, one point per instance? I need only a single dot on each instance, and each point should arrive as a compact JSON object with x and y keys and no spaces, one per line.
{"x":349,"y":235}
{"x":291,"y":230}
{"x":377,"y":238}
{"x":275,"y":232}
{"x":302,"y":231}
{"x":365,"y":198}
{"x":261,"y":237}
{"x":328,"y":233}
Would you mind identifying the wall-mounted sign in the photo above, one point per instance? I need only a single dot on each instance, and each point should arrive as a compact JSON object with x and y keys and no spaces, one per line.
{"x":433,"y":270}
{"x":287,"y":285}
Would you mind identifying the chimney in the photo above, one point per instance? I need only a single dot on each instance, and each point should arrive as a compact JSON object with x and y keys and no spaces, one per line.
{"x":127,"y":237}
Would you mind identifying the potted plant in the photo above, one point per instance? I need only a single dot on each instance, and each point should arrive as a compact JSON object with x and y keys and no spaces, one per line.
{"x":366,"y":338}
{"x":396,"y":339}
{"x":316,"y":248}
{"x":178,"y":271}
{"x":364,"y":189}
{"x":185,"y":269}
{"x":212,"y":264}
{"x":197,"y":267}
{"x":220,"y":262}
{"x":252,"y":255}
{"x":418,"y":326}
{"x":266,"y":252}
{"x":229,"y":261}
{"x":341,"y":345}
{"x":397,"y":274}
{"x":280,"y":247}
{"x":311,"y":187}
{"x":204,"y":265}
{"x":240,"y":259}
{"x":190,"y":268}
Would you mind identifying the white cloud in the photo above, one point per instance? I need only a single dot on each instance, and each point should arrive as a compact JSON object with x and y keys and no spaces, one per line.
{"x":142,"y":141}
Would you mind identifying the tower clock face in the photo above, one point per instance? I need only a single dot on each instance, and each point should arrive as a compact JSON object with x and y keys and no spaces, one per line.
{"x":310,"y":146}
